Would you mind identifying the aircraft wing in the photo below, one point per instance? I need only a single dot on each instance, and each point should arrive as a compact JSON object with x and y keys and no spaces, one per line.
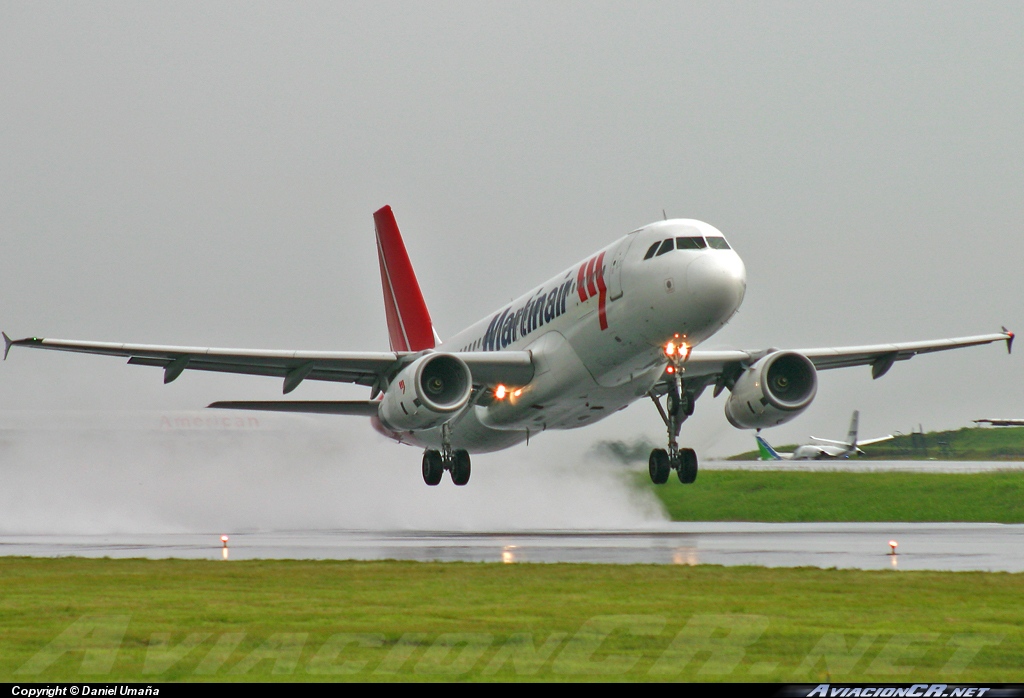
{"x":879,"y":440}
{"x":881,"y":357}
{"x":721,"y":368}
{"x":832,"y":442}
{"x":362,"y":368}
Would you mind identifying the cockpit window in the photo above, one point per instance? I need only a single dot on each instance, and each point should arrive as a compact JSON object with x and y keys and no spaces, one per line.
{"x":695,"y":242}
{"x":690,"y":243}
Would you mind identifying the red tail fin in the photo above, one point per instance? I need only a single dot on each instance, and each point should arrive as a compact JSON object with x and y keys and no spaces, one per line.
{"x":409,"y":325}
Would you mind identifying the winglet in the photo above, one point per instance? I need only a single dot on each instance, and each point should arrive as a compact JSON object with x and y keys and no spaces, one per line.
{"x":409,"y":324}
{"x":7,"y":344}
{"x":1009,"y":340}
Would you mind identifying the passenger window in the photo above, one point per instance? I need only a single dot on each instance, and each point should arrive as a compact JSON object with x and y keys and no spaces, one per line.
{"x":690,"y":244}
{"x":665,"y":247}
{"x":718,"y":244}
{"x":654,"y":248}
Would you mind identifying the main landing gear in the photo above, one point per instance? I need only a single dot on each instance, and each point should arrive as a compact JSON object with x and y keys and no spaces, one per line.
{"x":454,"y":461}
{"x":679,"y":406}
{"x":434,"y":465}
{"x":684,"y":463}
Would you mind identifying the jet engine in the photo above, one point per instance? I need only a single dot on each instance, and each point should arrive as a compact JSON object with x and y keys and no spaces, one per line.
{"x":426,"y":393}
{"x":772,"y":391}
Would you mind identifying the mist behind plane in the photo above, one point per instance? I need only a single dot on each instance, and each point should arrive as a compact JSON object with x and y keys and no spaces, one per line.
{"x":169,"y":472}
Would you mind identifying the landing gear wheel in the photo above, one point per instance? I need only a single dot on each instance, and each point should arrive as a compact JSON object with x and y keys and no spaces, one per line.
{"x":659,"y":466}
{"x":687,"y":466}
{"x":460,"y":467}
{"x":433,"y":467}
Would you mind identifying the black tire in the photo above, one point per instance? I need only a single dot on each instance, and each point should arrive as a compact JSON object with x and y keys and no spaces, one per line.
{"x":460,"y":467}
{"x":433,"y":467}
{"x":687,"y":466}
{"x":658,"y":466}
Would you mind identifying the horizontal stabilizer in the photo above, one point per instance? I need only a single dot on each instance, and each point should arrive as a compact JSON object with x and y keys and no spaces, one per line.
{"x":363,"y":408}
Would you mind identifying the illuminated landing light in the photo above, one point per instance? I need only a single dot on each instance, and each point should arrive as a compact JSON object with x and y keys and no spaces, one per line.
{"x":670,"y":369}
{"x":224,"y":549}
{"x":500,"y":391}
{"x":892,"y":547}
{"x":517,"y":392}
{"x":676,"y":348}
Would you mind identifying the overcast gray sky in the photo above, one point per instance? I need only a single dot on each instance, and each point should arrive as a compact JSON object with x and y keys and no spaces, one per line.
{"x":205,"y":174}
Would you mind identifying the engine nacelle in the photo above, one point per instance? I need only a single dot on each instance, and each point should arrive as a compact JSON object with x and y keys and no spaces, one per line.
{"x":772,"y":391}
{"x":426,"y":393}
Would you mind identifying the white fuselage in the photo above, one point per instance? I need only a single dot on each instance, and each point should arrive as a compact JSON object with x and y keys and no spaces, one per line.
{"x":597,"y":332}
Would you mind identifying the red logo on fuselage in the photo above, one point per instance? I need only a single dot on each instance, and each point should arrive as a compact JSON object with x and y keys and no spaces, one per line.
{"x":590,"y":283}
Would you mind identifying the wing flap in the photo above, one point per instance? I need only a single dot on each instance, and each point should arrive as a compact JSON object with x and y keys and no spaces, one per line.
{"x":333,"y":373}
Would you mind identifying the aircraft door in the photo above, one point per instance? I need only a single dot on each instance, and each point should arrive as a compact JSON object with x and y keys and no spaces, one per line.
{"x":618,"y":257}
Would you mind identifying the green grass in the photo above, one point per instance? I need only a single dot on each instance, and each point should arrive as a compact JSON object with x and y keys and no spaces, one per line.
{"x":99,"y":621}
{"x":969,"y":443}
{"x":169,"y":620}
{"x":778,"y":496}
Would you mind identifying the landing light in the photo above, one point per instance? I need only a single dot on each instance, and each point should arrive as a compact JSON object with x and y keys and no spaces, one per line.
{"x":892,"y":546}
{"x":674,"y":348}
{"x":500,"y":391}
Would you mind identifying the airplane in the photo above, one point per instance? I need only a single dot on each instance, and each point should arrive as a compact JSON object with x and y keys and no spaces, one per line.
{"x":1001,"y":422}
{"x":619,"y":326}
{"x":825,"y":448}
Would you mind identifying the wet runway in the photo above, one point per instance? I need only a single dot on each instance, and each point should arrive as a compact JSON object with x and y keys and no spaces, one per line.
{"x":955,"y":546}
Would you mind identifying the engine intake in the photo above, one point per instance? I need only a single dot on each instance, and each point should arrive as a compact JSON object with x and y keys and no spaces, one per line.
{"x":772,"y":391}
{"x":426,"y":393}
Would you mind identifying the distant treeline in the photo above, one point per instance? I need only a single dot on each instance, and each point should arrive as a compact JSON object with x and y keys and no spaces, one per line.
{"x":969,"y":443}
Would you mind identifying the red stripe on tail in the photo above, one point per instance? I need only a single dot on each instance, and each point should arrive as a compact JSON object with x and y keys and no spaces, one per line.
{"x":409,"y":325}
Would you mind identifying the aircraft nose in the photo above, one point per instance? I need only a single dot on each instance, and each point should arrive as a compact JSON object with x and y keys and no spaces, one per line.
{"x":718,"y":281}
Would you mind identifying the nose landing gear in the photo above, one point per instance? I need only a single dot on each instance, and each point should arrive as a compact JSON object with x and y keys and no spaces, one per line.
{"x":679,"y":406}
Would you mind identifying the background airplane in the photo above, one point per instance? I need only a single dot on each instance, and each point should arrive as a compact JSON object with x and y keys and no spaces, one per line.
{"x":1001,"y":422}
{"x":824,"y":448}
{"x":619,"y":326}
